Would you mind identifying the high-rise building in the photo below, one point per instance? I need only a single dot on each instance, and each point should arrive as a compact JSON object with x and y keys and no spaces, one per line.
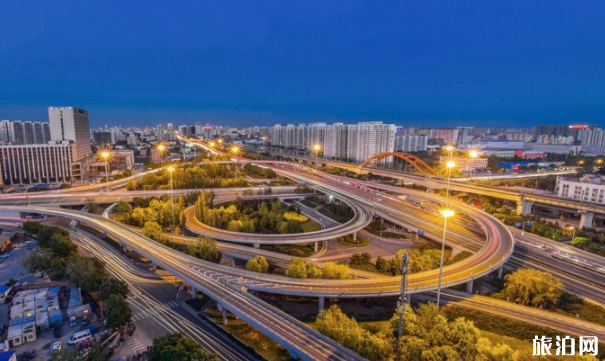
{"x":410,"y":143}
{"x":335,"y":141}
{"x":19,"y":132}
{"x":71,"y":124}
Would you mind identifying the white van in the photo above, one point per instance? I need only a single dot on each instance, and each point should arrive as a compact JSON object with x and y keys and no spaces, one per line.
{"x":31,"y":243}
{"x":78,"y":337}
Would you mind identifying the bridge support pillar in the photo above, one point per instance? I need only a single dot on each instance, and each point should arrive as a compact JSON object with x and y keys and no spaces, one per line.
{"x":193,"y":292}
{"x":586,"y":219}
{"x":224,"y":316}
{"x":500,"y":270}
{"x":231,"y":260}
{"x":455,"y":251}
{"x":524,"y":207}
{"x":469,"y":287}
{"x":257,"y":245}
{"x":355,"y":236}
{"x":408,"y":298}
{"x":322,"y":301}
{"x":316,"y":247}
{"x":154,"y":267}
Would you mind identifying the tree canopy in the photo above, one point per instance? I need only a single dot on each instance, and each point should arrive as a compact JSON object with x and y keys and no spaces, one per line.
{"x":177,"y":347}
{"x":532,"y":287}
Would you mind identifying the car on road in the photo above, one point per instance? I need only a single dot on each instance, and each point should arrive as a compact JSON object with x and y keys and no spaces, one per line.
{"x":56,"y":347}
{"x":5,"y":255}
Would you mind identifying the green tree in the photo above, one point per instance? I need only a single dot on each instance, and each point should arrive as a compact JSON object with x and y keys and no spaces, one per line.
{"x":111,"y":286}
{"x":32,"y":228}
{"x":206,"y":249}
{"x":41,"y":260}
{"x":118,"y":311}
{"x":336,"y":325}
{"x":299,"y":268}
{"x":257,"y":264}
{"x":532,"y":287}
{"x":335,"y":271}
{"x":62,"y":246}
{"x":178,"y":348}
{"x":581,"y":242}
{"x":86,"y":272}
{"x":154,"y":231}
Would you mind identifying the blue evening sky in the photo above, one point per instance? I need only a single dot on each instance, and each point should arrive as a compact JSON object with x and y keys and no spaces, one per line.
{"x":414,"y":63}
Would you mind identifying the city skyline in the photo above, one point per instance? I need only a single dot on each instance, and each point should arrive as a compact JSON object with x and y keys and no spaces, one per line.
{"x":432,"y":64}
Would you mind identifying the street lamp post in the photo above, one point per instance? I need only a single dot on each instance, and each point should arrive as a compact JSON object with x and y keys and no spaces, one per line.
{"x":220,"y":143}
{"x":573,"y":235}
{"x":473,"y":154}
{"x":235,"y":150}
{"x":316,"y":148}
{"x":170,"y":170}
{"x":212,"y":144}
{"x":446,"y":213}
{"x":161,"y":148}
{"x":105,"y":155}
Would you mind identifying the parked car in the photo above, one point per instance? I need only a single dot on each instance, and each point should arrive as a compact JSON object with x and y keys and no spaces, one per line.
{"x":5,"y":255}
{"x":27,"y":355}
{"x":72,"y":321}
{"x":58,"y":332}
{"x":56,"y":347}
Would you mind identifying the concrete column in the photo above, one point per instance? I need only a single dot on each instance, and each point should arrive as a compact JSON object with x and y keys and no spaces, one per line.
{"x":154,"y":267}
{"x":257,"y":245}
{"x":355,"y":236}
{"x":231,"y":260}
{"x":193,"y":292}
{"x":500,"y":269}
{"x":469,"y":287}
{"x":322,"y":301}
{"x":316,"y":247}
{"x":224,"y":316}
{"x":586,"y":219}
{"x":524,"y":207}
{"x":408,"y":298}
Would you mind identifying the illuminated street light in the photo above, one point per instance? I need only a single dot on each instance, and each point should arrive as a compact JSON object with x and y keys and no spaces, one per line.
{"x":105,"y":155}
{"x":473,"y":154}
{"x":170,"y":170}
{"x":316,"y":149}
{"x":446,"y":213}
{"x":573,"y":236}
{"x":161,"y":148}
{"x":212,"y":144}
{"x":449,"y":148}
{"x":220,"y":143}
{"x":450,"y":164}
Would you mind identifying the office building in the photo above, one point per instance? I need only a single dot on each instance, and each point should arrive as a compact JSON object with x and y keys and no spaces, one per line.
{"x":71,"y":124}
{"x":103,"y":139}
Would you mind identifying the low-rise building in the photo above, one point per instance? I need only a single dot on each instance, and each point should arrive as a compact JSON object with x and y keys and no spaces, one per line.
{"x":590,"y":188}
